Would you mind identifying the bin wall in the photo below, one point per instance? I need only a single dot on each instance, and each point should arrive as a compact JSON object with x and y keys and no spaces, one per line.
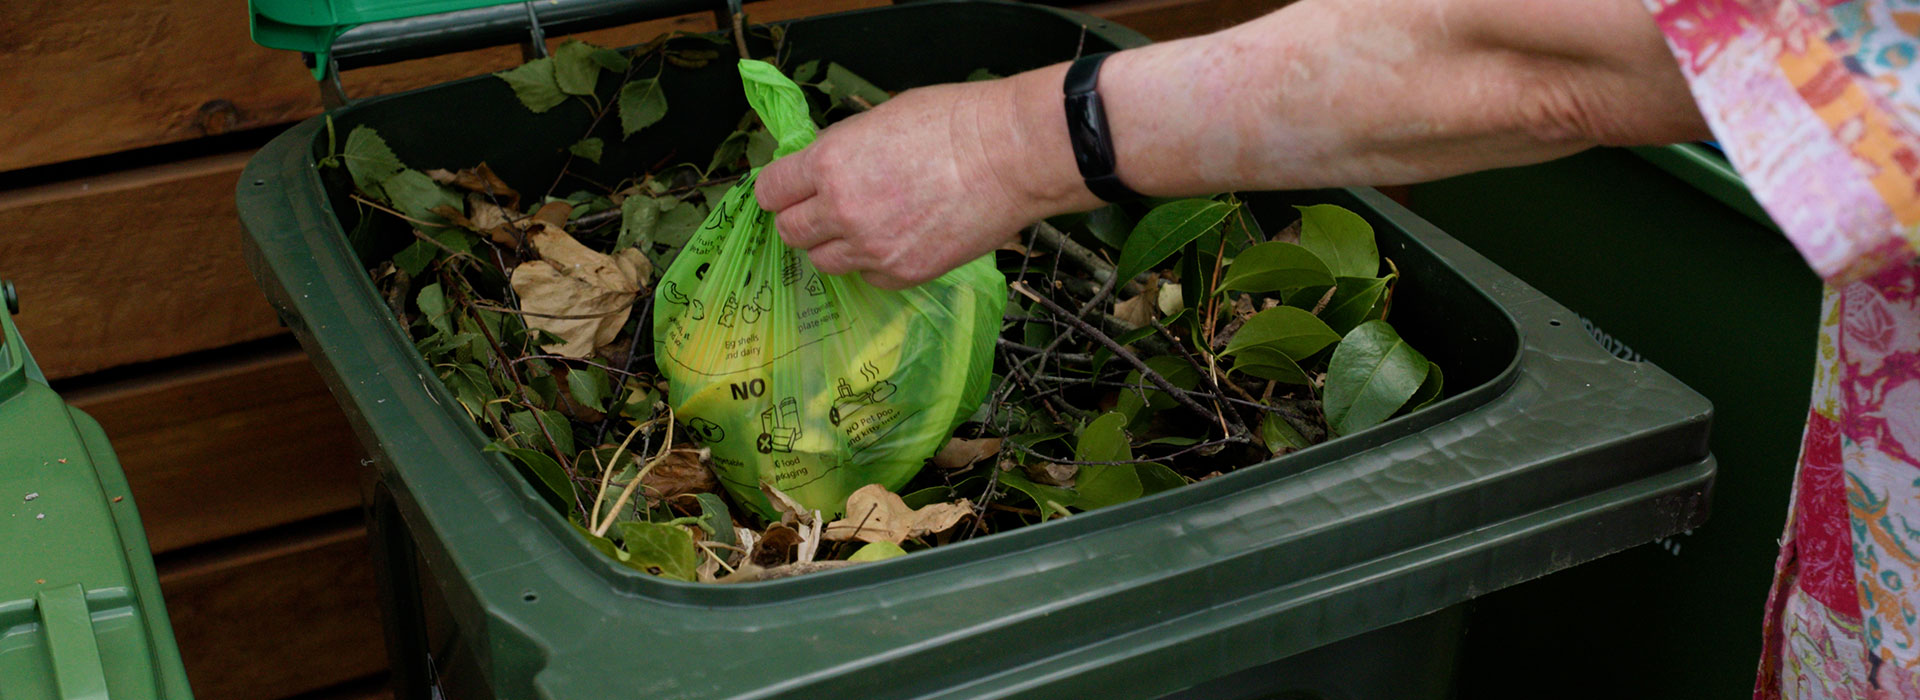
{"x":1726,"y":305}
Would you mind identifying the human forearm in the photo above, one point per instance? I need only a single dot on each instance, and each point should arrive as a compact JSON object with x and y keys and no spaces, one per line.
{"x":1342,"y":92}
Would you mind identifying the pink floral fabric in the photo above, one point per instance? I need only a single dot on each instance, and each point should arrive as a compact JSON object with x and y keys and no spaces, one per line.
{"x":1817,"y":104}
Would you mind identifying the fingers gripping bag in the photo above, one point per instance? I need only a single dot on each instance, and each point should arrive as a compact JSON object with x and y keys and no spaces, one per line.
{"x":816,"y":384}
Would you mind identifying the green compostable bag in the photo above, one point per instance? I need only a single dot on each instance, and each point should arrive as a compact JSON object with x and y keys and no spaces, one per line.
{"x":816,"y":384}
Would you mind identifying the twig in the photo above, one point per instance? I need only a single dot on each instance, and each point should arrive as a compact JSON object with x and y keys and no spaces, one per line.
{"x":1068,"y":357}
{"x":581,"y":360}
{"x":666,"y":448}
{"x":606,"y":474}
{"x":740,"y":34}
{"x":1119,"y":351}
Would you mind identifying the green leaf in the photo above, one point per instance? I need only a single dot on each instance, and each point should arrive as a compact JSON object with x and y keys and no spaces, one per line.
{"x":730,"y":150}
{"x":575,"y":70}
{"x":806,"y":71}
{"x":416,"y":195}
{"x":589,"y":148}
{"x":1372,"y":374}
{"x":1291,"y":331}
{"x":544,"y":468}
{"x":523,"y":423}
{"x":982,"y":74}
{"x":1279,"y":435}
{"x":660,"y":549}
{"x":641,"y":104}
{"x":1110,"y":224}
{"x":760,"y":146}
{"x":1156,"y":477}
{"x":1164,"y":230}
{"x":433,"y":307}
{"x":714,"y":194}
{"x":1100,"y":485}
{"x":589,"y":387}
{"x":415,"y":258}
{"x":534,"y":83}
{"x":1041,"y":494}
{"x":877,"y":551}
{"x":369,"y":160}
{"x":1429,"y":389}
{"x":638,"y":215}
{"x":716,"y":519}
{"x":842,"y":85}
{"x":1269,"y":364}
{"x":1275,"y":267}
{"x":1341,"y":238}
{"x":676,"y":227}
{"x":1355,"y":300}
{"x":611,"y":60}
{"x":1175,"y":440}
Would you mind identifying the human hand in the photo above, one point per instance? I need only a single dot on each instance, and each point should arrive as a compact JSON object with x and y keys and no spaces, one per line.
{"x":927,"y":181}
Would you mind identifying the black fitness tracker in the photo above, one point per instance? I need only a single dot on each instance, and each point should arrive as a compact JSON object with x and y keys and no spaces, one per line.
{"x":1087,"y":130}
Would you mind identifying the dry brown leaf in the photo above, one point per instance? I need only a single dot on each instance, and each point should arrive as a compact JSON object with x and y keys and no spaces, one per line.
{"x":1017,"y":247}
{"x":574,"y":292}
{"x":1290,"y":234}
{"x":875,"y":514}
{"x":480,"y":179}
{"x":791,"y":512}
{"x":453,"y":215}
{"x":961,"y":453}
{"x":778,"y":545}
{"x":1138,"y":311}
{"x":681,"y":472}
{"x":1051,"y":473}
{"x":493,"y":220}
{"x":553,"y":214}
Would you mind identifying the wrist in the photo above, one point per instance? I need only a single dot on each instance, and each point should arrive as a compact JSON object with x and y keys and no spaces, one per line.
{"x":1039,"y":166}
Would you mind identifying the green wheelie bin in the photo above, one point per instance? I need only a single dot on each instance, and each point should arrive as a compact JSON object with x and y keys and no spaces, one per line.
{"x":1665,"y":257}
{"x":80,"y":611}
{"x":1546,"y":451}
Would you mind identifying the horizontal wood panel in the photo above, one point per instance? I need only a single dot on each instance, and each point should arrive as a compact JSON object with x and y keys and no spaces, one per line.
{"x":131,"y":267}
{"x":216,"y":451}
{"x":278,"y":618}
{"x":89,"y":77}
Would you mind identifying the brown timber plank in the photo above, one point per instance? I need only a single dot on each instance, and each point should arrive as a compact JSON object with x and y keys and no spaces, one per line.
{"x":90,"y":77}
{"x":132,"y":266}
{"x":217,"y":451}
{"x":277,"y":618}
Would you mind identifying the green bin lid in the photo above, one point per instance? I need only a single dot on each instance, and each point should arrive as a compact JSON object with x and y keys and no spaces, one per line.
{"x":80,"y":611}
{"x":311,"y":26}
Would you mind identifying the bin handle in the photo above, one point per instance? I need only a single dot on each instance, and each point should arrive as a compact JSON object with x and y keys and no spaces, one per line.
{"x":68,"y":626}
{"x":527,"y":23}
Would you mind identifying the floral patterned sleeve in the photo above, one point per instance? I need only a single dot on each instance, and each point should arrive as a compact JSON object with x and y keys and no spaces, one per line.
{"x":1817,"y":104}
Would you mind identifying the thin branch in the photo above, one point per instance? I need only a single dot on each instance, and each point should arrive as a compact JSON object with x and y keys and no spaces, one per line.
{"x":1119,"y":351}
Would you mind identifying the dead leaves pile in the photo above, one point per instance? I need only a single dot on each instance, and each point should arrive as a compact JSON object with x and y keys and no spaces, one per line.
{"x":580,"y":295}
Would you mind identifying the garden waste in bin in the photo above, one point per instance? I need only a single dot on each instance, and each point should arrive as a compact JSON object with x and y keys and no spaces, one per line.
{"x":80,"y":610}
{"x":1546,"y":452}
{"x":1663,"y":253}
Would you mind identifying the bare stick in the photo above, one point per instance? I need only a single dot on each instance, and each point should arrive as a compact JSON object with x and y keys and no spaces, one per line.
{"x":1118,"y":350}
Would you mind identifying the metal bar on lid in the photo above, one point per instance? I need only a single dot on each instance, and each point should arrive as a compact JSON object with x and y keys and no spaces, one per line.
{"x":396,"y":40}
